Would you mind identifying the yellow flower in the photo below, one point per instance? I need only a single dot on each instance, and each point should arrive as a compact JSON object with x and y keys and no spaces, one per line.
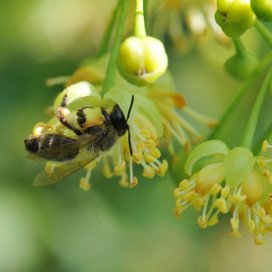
{"x":233,"y":182}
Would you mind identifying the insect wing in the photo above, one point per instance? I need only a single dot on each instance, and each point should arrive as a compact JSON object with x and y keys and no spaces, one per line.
{"x":55,"y":147}
{"x":56,"y":171}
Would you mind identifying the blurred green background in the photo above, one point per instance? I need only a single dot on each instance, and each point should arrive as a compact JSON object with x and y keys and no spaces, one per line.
{"x":62,"y":228}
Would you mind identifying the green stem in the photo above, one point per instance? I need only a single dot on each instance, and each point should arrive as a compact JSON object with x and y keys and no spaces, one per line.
{"x":145,"y":14}
{"x":264,"y":31}
{"x":139,"y":28}
{"x":254,"y":116}
{"x":107,"y":35}
{"x":112,"y":65}
{"x":239,"y":47}
{"x":236,"y":100}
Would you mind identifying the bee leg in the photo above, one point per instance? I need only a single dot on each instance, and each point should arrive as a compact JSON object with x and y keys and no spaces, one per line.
{"x":106,"y":116}
{"x":81,"y":116}
{"x":60,"y":113}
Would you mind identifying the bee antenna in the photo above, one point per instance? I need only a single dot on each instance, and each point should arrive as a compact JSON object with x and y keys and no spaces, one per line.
{"x":129,"y":142}
{"x":130,"y":107}
{"x":129,"y":138}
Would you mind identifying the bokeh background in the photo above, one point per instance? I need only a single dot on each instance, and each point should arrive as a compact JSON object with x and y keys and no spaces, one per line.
{"x":62,"y":228}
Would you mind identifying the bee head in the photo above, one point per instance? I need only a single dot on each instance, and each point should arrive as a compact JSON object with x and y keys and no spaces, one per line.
{"x":118,"y":120}
{"x":32,"y":145}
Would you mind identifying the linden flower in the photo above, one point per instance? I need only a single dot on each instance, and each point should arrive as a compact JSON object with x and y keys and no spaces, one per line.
{"x":173,"y":110}
{"x":145,"y":153}
{"x":233,"y":181}
{"x":158,"y":113}
{"x":118,"y":160}
{"x":164,"y":106}
{"x":184,"y":22}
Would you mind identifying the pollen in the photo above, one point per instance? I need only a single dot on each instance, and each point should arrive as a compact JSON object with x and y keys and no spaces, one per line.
{"x":119,"y":169}
{"x":123,"y":182}
{"x":84,"y":184}
{"x":106,"y":168}
{"x":133,"y":182}
{"x":149,"y":172}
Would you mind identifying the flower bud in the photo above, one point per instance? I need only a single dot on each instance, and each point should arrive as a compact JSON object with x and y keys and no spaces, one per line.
{"x":241,"y":66}
{"x":142,"y":60}
{"x":208,"y":176}
{"x":253,"y":187}
{"x":262,"y":9}
{"x":239,"y":163}
{"x":234,"y":16}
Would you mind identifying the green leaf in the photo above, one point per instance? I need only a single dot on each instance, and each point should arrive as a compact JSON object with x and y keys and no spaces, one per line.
{"x":208,"y":148}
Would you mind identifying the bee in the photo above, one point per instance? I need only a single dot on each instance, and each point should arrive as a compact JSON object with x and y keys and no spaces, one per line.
{"x":67,"y":154}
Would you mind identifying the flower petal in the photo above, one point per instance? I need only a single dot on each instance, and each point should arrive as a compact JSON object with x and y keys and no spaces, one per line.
{"x":208,"y":148}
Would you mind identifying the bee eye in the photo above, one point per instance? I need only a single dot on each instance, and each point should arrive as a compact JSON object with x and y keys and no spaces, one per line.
{"x":32,"y":145}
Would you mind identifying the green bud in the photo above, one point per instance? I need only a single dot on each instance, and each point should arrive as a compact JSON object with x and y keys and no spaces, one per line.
{"x":239,"y":163}
{"x":241,"y":66}
{"x":234,"y":16}
{"x":262,"y":9}
{"x":142,"y":60}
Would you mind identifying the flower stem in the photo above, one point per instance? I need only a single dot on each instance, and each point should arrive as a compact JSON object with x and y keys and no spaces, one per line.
{"x":107,"y":35}
{"x":247,"y":140}
{"x":145,"y":13}
{"x":264,"y":31}
{"x":139,"y":28}
{"x":112,"y":65}
{"x":239,"y":47}
{"x":236,"y":100}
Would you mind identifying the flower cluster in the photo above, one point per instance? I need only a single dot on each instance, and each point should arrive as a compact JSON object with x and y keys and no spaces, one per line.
{"x":158,"y":115}
{"x":233,"y":181}
{"x":131,"y":85}
{"x":185,"y":22}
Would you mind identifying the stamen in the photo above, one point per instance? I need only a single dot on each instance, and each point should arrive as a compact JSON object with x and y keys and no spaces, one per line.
{"x":180,"y":130}
{"x":190,"y":129}
{"x":119,"y":169}
{"x":205,"y":206}
{"x":84,"y":183}
{"x":250,"y":221}
{"x":175,"y":134}
{"x":266,"y":146}
{"x":201,"y":117}
{"x":119,"y":152}
{"x":234,"y":221}
{"x":132,"y":180}
{"x":214,"y":219}
{"x":212,"y":206}
{"x":106,"y":168}
{"x":170,"y":114}
{"x":154,"y":166}
{"x":123,"y":182}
